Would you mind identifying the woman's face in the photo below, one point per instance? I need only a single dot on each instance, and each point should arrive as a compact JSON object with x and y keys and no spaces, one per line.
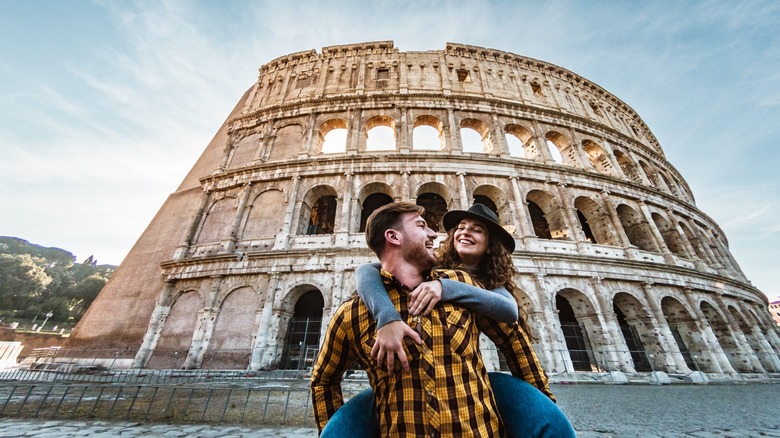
{"x":471,"y":241}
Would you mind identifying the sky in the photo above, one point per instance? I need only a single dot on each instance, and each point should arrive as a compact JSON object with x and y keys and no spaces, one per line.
{"x":106,"y":105}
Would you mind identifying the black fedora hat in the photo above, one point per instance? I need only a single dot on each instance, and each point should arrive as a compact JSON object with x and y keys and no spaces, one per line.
{"x":485,"y":215}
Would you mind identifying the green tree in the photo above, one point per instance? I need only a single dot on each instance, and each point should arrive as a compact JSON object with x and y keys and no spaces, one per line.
{"x":84,"y":292}
{"x":20,"y":279}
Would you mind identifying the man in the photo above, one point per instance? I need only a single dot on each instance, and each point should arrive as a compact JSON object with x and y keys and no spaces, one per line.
{"x":447,"y":391}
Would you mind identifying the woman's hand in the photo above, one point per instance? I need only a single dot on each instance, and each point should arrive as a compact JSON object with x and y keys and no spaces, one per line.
{"x":390,"y":342}
{"x":424,"y":297}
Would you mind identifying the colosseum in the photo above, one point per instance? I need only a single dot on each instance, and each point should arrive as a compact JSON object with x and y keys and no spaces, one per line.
{"x":246,"y":261}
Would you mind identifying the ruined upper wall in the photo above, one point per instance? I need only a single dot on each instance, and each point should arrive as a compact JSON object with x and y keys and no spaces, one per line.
{"x":458,"y":72}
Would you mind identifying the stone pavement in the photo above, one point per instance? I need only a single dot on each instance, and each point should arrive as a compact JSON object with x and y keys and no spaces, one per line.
{"x":595,"y":410}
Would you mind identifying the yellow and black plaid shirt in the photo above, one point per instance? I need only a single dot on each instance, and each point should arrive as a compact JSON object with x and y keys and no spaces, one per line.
{"x":446,"y":394}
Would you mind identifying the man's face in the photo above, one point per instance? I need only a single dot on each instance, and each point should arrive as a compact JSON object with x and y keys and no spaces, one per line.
{"x":417,"y":243}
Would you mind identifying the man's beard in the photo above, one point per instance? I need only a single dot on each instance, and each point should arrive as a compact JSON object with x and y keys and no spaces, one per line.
{"x":418,"y":255}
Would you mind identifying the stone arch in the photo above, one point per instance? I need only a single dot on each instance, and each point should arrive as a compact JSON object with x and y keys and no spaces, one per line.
{"x":244,"y":151}
{"x":287,"y":142}
{"x":765,"y":356}
{"x":233,"y":337}
{"x":638,"y":329}
{"x":730,"y":346}
{"x":628,"y":167}
{"x":650,"y":173}
{"x":262,"y":218}
{"x":489,"y":194}
{"x":637,"y":230}
{"x":578,"y":320}
{"x":672,"y":188}
{"x":436,"y":199}
{"x":598,"y":157}
{"x":217,"y":221}
{"x":371,"y":197}
{"x":318,"y":211}
{"x":694,"y":241}
{"x":468,"y":126}
{"x":669,"y":234}
{"x":332,"y":136}
{"x":551,"y":218}
{"x":560,"y":148}
{"x":428,"y":133}
{"x":524,"y":146}
{"x":300,"y":326}
{"x":686,"y":334}
{"x":175,"y":340}
{"x":595,"y":222}
{"x":380,"y":133}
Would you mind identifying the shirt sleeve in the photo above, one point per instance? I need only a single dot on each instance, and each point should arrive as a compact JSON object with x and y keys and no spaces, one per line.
{"x":497,"y":304}
{"x":514,"y":343}
{"x":371,"y":290}
{"x":335,"y":357}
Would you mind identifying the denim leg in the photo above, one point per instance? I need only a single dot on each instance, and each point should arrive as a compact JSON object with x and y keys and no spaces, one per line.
{"x":526,"y":411}
{"x":356,"y":418}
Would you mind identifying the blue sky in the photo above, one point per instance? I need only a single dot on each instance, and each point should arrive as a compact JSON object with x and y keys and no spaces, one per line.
{"x":105,"y":105}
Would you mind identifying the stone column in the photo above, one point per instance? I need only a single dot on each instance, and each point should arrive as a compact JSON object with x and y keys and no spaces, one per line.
{"x":282,"y":239}
{"x":452,"y":139}
{"x":621,"y":235}
{"x":717,"y":358}
{"x":260,"y":358}
{"x":619,"y":353}
{"x":342,"y":229}
{"x":204,"y":327}
{"x":403,"y":68}
{"x":582,"y":156}
{"x":741,"y":340}
{"x":684,"y":239}
{"x":673,"y":360}
{"x":181,"y":250}
{"x":156,"y":324}
{"x":230,"y":244}
{"x":464,"y":197}
{"x":405,"y":135}
{"x":570,"y":217}
{"x":550,"y":337}
{"x":655,"y":233}
{"x":541,"y":144}
{"x":309,"y":148}
{"x":501,"y":147}
{"x":616,"y":169}
{"x":522,"y":221}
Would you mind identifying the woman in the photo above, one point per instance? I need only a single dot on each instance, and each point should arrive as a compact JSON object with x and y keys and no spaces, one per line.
{"x":476,"y":243}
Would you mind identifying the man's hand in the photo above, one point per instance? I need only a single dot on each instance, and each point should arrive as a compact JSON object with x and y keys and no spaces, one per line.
{"x":424,"y":297}
{"x":390,"y":342}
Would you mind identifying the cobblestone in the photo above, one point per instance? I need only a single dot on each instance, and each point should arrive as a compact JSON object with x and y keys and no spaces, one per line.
{"x":596,"y":411}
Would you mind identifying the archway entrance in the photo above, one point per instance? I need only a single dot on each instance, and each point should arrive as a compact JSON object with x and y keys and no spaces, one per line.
{"x":575,"y":336}
{"x":303,"y":332}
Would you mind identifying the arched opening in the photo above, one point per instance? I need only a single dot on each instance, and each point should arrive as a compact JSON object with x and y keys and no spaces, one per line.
{"x":560,"y":148}
{"x":538,"y":221}
{"x":639,"y":332}
{"x":521,"y":142}
{"x":598,"y":157}
{"x":176,"y":337}
{"x":380,"y":133}
{"x":594,"y":221}
{"x":685,"y":333}
{"x":496,"y":200}
{"x":694,"y":241}
{"x":575,"y":336}
{"x":650,"y":173}
{"x":633,"y":341}
{"x":371,"y":203}
{"x":435,"y":206}
{"x":669,"y":234}
{"x":333,"y":136}
{"x":474,"y":136}
{"x":551,"y":212}
{"x":303,"y":332}
{"x":766,"y":357}
{"x":322,"y":218}
{"x":730,"y":346}
{"x":628,"y":167}
{"x":637,"y":230}
{"x":427,"y":134}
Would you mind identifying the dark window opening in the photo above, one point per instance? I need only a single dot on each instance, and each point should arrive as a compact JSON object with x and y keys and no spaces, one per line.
{"x":435,"y":206}
{"x":323,"y":216}
{"x":303,"y":332}
{"x":633,"y":342}
{"x":539,"y":222}
{"x":586,"y":227}
{"x":487,"y":202}
{"x":576,"y":338}
{"x":372,"y":202}
{"x":686,"y":354}
{"x":382,"y":74}
{"x":537,"y":89}
{"x":463,"y":75}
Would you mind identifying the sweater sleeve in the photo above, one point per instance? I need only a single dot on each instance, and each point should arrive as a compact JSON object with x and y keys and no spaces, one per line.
{"x":497,"y":304}
{"x":372,"y":291}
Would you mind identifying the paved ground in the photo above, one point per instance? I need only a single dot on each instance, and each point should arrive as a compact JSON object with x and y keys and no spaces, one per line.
{"x":595,"y":410}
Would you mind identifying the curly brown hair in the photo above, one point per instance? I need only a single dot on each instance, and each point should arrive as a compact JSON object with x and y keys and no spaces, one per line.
{"x":495,"y":269}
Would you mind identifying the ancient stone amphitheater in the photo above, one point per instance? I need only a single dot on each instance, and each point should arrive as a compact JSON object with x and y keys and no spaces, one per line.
{"x":248,"y":258}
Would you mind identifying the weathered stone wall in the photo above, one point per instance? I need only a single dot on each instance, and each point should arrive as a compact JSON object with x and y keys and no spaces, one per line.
{"x":619,"y":270}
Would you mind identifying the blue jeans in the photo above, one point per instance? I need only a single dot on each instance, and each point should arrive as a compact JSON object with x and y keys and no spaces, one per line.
{"x":525,"y":410}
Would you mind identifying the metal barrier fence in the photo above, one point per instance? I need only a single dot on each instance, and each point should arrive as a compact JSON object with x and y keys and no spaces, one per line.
{"x":157,"y":403}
